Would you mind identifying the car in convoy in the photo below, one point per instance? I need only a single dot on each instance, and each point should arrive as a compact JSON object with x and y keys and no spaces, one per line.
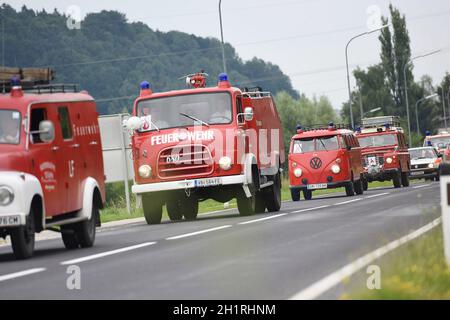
{"x":51,"y":165}
{"x":324,"y":158}
{"x":201,"y":143}
{"x":439,"y":141}
{"x":384,"y":151}
{"x":425,"y":163}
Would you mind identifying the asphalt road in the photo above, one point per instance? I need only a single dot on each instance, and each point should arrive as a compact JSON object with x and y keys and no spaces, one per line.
{"x":224,"y":256}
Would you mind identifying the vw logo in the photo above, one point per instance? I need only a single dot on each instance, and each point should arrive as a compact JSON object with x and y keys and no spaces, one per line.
{"x":315,"y":163}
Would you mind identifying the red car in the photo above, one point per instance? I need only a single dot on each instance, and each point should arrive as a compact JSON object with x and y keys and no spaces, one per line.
{"x":324,"y":158}
{"x":201,"y":143}
{"x":51,"y":165}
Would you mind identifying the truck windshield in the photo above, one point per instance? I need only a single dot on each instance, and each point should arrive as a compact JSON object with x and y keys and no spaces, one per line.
{"x":378,"y":140}
{"x":187,"y":110}
{"x":438,"y":142}
{"x":9,"y":127}
{"x":315,"y":144}
{"x":423,"y":153}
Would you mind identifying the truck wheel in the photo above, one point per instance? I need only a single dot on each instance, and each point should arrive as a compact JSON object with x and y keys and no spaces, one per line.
{"x":22,"y":238}
{"x":365,"y":184}
{"x":190,"y":207}
{"x":295,"y":195}
{"x":349,"y":189}
{"x":85,"y":230}
{"x":307,"y":194}
{"x":396,"y":179}
{"x":246,"y":206}
{"x":69,"y":238}
{"x":273,"y":198}
{"x":152,"y":210}
{"x":405,"y":179}
{"x":174,"y":210}
{"x":358,"y":187}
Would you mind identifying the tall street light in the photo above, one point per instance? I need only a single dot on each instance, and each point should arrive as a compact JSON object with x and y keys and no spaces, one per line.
{"x":372,"y":111}
{"x":443,"y":108}
{"x":410,"y":61}
{"x":348,"y":72}
{"x":221,"y":36}
{"x":417,"y":113}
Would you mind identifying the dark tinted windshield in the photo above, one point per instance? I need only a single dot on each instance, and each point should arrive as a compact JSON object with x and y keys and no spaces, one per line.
{"x":9,"y":127}
{"x":315,"y":144}
{"x":378,"y":140}
{"x":179,"y":111}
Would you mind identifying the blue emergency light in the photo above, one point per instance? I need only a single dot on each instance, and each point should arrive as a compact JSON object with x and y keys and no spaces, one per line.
{"x":15,"y":81}
{"x":145,"y":85}
{"x":427,"y":133}
{"x":223,"y":77}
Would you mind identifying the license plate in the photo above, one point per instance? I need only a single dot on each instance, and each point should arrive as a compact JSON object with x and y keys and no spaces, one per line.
{"x":317,"y":186}
{"x":209,"y":182}
{"x":372,"y":161}
{"x":9,"y":221}
{"x":417,"y":173}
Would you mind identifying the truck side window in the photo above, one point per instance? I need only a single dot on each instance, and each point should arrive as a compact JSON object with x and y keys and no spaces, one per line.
{"x":343,"y":142}
{"x":37,"y":115}
{"x":239,"y":109}
{"x":66,"y":127}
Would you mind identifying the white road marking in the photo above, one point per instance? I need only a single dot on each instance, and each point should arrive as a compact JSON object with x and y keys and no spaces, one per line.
{"x":421,"y":186}
{"x":311,"y":209}
{"x":318,"y":288}
{"x":107,"y":253}
{"x":349,"y":201}
{"x":377,"y":195}
{"x":197,"y":233}
{"x":263,"y":219}
{"x":21,"y":274}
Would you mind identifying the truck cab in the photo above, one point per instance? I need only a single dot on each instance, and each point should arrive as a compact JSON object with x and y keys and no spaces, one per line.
{"x":385,"y":153}
{"x":324,"y":158}
{"x":203,"y":143}
{"x":51,"y":167}
{"x":439,"y":142}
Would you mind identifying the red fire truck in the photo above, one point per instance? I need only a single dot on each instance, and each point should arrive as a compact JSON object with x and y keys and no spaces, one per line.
{"x":324,"y":158}
{"x":385,"y":153}
{"x":51,"y":166}
{"x":439,"y":141}
{"x":205,"y":143}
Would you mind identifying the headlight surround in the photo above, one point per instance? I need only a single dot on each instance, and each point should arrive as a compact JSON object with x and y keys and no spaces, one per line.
{"x":145,"y":171}
{"x":335,"y":169}
{"x":431,"y":165}
{"x":6,"y":196}
{"x":389,"y":160}
{"x":225,"y":163}
{"x":298,"y":172}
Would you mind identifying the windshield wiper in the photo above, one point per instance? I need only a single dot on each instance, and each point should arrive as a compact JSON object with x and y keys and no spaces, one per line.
{"x":323,"y":144}
{"x":195,"y":119}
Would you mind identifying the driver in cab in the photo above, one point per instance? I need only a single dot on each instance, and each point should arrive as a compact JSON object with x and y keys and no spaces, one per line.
{"x":9,"y":129}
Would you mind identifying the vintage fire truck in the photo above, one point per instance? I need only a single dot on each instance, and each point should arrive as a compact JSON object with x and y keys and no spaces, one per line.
{"x":51,"y":166}
{"x":439,"y":141}
{"x":205,"y":143}
{"x":324,"y":158}
{"x":385,"y":153}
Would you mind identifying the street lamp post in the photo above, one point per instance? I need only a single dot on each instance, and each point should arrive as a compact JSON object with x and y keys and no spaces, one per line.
{"x":372,"y":111}
{"x":417,"y":107}
{"x":348,"y":72}
{"x":443,"y":108}
{"x":410,"y":61}
{"x":221,"y":37}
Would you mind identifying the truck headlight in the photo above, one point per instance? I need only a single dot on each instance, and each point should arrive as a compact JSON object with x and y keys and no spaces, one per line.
{"x":298,"y":172}
{"x":431,"y":165}
{"x":145,"y":171}
{"x":225,"y":163}
{"x":335,"y":169}
{"x":389,"y":160}
{"x":6,"y":196}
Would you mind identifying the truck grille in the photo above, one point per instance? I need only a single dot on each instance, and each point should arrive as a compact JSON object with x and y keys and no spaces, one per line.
{"x":420,"y":166}
{"x":185,"y":162}
{"x":379,"y":159}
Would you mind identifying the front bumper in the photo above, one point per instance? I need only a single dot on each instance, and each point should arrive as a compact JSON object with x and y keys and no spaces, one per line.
{"x":184,"y":184}
{"x":379,"y":174}
{"x":330,"y":185}
{"x":427,"y":173}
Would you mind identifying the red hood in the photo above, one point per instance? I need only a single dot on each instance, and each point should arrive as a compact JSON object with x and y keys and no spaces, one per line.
{"x":377,"y":150}
{"x":13,"y":158}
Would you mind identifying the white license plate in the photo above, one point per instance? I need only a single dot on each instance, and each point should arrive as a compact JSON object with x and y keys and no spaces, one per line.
{"x":9,"y":221}
{"x":209,"y":182}
{"x":317,"y":186}
{"x":417,"y":173}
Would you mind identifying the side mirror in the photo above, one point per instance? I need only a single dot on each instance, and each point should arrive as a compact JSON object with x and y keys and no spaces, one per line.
{"x":248,"y":114}
{"x":132,"y":123}
{"x":46,"y":131}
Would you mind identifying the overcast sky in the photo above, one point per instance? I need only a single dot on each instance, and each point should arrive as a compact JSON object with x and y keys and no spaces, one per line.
{"x":306,"y":38}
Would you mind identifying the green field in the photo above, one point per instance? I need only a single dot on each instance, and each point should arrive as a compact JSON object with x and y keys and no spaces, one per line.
{"x":415,"y":271}
{"x":115,"y":208}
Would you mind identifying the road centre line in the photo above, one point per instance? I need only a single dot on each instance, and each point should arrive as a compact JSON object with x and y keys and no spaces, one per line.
{"x":107,"y":253}
{"x":263,"y":219}
{"x":346,"y":202}
{"x":311,"y":209}
{"x":21,"y":274}
{"x":320,"y":287}
{"x":198,"y":232}
{"x":421,"y":186}
{"x":377,"y":195}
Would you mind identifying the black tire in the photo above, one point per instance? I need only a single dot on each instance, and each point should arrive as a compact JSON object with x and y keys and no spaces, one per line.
{"x":349,"y":189}
{"x":22,"y":238}
{"x":86,"y":230}
{"x":174,"y":210}
{"x":190,"y":208}
{"x":397,"y":180}
{"x":69,"y":237}
{"x":246,"y":206}
{"x":307,"y":194}
{"x":405,"y":179}
{"x":295,"y":195}
{"x":273,"y":196}
{"x":358,"y":187}
{"x":152,"y":209}
{"x":365,"y":184}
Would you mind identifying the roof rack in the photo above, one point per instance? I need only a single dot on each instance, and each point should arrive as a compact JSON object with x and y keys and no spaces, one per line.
{"x":255,"y":92}
{"x":393,"y":121}
{"x":338,"y":126}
